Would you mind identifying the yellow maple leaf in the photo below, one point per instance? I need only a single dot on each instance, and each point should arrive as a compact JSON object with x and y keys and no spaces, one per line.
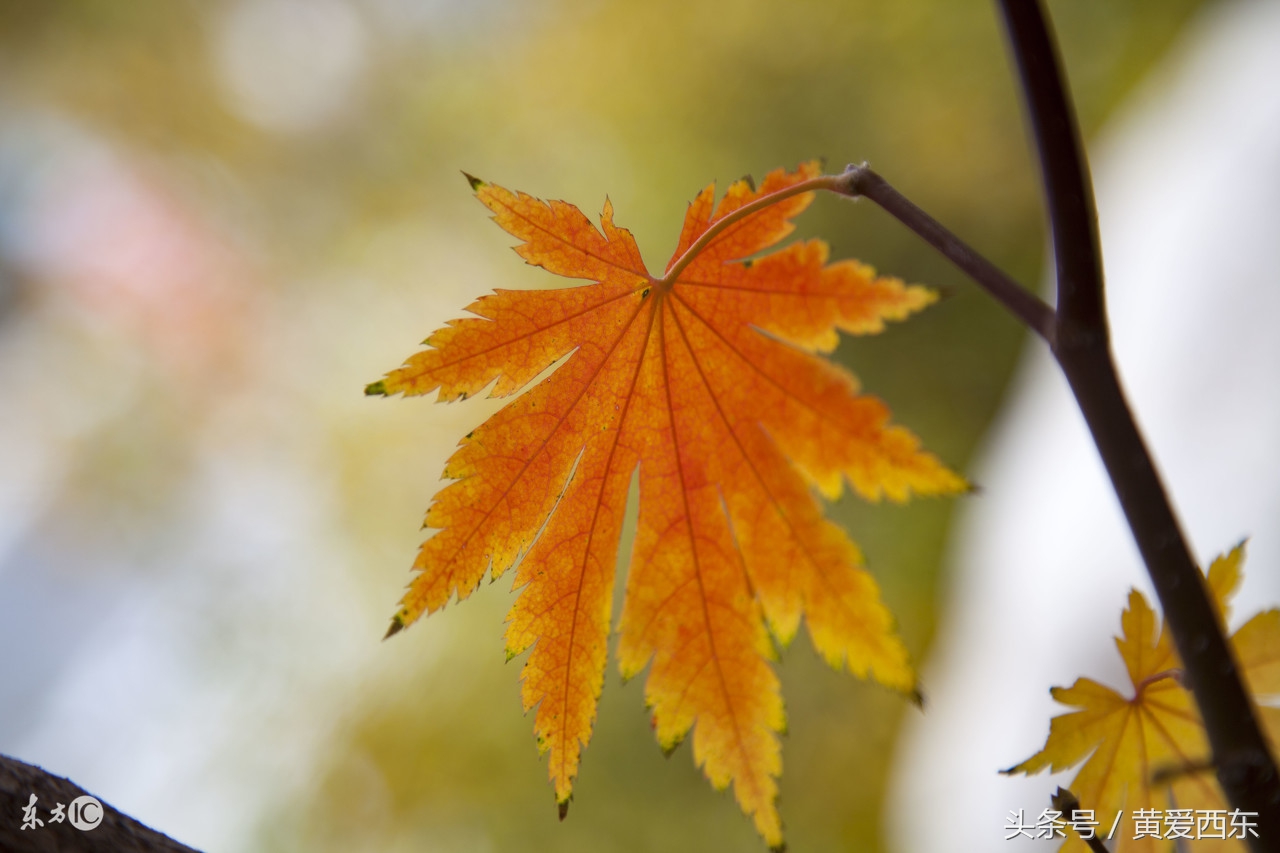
{"x":1147,"y":753}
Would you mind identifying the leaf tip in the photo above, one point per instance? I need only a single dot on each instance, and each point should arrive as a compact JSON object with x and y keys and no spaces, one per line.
{"x":916,"y":696}
{"x":397,"y":625}
{"x":563,"y":807}
{"x":1026,"y":768}
{"x":475,"y":182}
{"x":780,"y":847}
{"x":376,"y":389}
{"x":669,"y":747}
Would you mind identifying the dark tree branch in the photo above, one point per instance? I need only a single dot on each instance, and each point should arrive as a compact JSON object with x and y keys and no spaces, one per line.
{"x":1245,"y":766}
{"x":117,"y":833}
{"x":1078,"y":335}
{"x":1069,"y":191}
{"x":1246,"y":769}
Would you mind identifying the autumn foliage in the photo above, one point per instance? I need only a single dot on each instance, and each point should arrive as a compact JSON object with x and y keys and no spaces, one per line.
{"x":1147,"y":751}
{"x":710,"y":381}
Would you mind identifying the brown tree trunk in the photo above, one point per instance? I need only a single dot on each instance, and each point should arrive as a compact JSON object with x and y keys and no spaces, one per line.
{"x":115,"y":832}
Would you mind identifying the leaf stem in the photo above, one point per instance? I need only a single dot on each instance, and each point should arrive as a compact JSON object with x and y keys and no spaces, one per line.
{"x":823,"y":182}
{"x":1156,"y":677}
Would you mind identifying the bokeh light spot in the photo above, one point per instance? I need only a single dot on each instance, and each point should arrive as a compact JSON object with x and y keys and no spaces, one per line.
{"x":290,"y":65}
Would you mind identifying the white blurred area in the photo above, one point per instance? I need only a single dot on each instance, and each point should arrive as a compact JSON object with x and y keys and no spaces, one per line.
{"x":1187,"y":179}
{"x":290,"y":65}
{"x":187,"y":605}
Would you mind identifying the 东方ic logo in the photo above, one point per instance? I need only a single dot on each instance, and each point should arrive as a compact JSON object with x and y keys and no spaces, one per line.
{"x":85,"y":813}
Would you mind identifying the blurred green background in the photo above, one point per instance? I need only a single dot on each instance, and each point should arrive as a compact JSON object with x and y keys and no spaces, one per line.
{"x":218,"y":220}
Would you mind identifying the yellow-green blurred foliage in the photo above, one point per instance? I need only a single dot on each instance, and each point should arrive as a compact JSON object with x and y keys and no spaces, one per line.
{"x":345,"y":234}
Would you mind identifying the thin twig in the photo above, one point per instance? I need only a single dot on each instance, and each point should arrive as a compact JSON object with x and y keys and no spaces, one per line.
{"x":861,"y":180}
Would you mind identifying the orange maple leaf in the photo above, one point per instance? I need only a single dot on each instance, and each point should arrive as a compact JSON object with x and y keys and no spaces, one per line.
{"x":707,"y":379}
{"x":1148,"y":753}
